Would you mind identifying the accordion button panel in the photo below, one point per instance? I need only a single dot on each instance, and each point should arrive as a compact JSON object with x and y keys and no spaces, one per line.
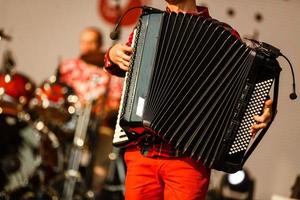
{"x":254,"y":107}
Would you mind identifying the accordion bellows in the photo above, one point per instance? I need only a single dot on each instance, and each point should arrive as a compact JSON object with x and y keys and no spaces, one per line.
{"x":196,"y":86}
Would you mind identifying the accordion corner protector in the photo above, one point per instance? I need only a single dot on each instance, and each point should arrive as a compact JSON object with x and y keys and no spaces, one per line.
{"x":146,"y":123}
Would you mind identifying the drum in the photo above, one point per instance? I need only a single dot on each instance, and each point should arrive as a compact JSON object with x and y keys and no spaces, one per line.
{"x":55,"y":104}
{"x":16,"y":90}
{"x":32,"y":150}
{"x":29,"y":159}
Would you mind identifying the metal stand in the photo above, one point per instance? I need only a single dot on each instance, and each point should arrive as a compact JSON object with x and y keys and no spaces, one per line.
{"x":114,"y":187}
{"x":72,"y":174}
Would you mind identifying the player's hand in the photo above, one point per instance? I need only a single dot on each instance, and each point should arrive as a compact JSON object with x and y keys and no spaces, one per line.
{"x":262,"y":120}
{"x":120,"y":54}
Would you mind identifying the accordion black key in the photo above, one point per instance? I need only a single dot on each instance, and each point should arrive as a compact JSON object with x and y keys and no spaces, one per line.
{"x":197,"y":86}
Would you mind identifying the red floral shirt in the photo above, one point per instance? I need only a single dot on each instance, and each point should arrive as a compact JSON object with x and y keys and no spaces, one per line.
{"x":90,"y":83}
{"x":152,"y":145}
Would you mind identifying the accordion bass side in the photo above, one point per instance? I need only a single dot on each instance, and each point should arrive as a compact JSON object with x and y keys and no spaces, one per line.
{"x":197,"y":86}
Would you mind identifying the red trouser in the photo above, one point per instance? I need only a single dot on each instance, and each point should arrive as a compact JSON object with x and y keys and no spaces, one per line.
{"x":164,"y":178}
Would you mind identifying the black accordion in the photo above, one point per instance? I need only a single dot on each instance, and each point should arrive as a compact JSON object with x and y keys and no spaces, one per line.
{"x":197,"y":86}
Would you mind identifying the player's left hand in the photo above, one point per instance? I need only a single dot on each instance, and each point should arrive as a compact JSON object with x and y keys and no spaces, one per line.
{"x":262,"y":120}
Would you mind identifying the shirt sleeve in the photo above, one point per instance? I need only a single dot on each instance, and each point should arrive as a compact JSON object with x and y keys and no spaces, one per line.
{"x":113,"y":68}
{"x":232,"y":30}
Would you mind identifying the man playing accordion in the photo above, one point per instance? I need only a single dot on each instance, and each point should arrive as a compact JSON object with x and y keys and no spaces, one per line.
{"x":155,"y":169}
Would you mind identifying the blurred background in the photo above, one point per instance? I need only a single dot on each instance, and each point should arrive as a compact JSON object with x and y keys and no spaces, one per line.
{"x":46,"y":33}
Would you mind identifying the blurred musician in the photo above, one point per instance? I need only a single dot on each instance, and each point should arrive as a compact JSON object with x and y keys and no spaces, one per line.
{"x":92,"y":84}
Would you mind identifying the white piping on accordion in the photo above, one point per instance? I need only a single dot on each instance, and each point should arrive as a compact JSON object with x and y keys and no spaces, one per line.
{"x":120,"y":136}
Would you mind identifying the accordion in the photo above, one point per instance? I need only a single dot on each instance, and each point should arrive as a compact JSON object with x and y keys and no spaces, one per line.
{"x":194,"y":84}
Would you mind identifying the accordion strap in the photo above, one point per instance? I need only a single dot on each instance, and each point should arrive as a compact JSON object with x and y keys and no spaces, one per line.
{"x":263,"y":132}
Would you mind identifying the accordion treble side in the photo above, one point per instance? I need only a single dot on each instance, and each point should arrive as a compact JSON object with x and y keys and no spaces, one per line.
{"x":197,"y":86}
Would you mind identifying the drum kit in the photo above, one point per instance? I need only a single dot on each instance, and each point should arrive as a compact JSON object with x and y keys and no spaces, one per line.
{"x":35,"y":122}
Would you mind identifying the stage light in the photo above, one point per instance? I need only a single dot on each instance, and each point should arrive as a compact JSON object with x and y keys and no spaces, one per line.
{"x":237,"y":186}
{"x":236,"y":178}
